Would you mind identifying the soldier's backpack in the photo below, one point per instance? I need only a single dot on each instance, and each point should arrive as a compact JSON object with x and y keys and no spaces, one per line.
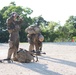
{"x":24,"y":56}
{"x":33,"y":29}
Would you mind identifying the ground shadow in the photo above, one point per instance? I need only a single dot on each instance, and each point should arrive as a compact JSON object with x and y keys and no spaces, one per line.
{"x":65,"y":62}
{"x":37,"y":67}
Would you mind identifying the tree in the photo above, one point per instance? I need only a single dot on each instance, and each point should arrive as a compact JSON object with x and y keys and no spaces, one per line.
{"x":5,"y":13}
{"x":66,"y":32}
{"x":48,"y":30}
{"x":71,"y":25}
{"x":39,"y":20}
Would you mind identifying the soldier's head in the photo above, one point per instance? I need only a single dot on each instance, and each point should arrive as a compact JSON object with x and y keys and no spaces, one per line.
{"x":41,"y":38}
{"x":15,"y":15}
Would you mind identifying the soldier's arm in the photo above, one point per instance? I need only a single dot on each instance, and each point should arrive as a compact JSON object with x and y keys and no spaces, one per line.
{"x":9,"y":20}
{"x":9,"y":23}
{"x":19,"y":21}
{"x":18,"y":24}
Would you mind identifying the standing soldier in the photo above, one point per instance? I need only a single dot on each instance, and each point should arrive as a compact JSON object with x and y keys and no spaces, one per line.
{"x":13,"y":25}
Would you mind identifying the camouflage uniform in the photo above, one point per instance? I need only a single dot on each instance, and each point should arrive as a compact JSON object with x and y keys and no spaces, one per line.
{"x":13,"y":29}
{"x":33,"y":38}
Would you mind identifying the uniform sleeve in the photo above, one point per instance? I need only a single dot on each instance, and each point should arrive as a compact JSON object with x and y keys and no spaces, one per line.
{"x":19,"y":21}
{"x":10,"y":25}
{"x":9,"y":20}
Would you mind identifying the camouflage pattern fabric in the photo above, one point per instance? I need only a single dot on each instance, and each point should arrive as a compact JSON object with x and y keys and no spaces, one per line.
{"x":13,"y":29}
{"x":35,"y":38}
{"x":34,"y":42}
{"x":32,"y":29}
{"x":24,"y":56}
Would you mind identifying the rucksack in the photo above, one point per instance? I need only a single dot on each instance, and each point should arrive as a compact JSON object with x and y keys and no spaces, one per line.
{"x":24,"y":56}
{"x":33,"y":29}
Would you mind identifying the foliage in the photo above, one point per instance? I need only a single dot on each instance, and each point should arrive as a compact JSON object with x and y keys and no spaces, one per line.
{"x":49,"y":31}
{"x":5,"y":13}
{"x":52,"y":31}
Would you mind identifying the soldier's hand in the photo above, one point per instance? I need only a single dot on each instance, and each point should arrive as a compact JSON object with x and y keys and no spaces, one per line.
{"x":20,"y":17}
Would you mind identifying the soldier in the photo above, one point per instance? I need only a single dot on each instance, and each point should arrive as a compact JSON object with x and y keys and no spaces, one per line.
{"x":13,"y":25}
{"x":35,"y":38}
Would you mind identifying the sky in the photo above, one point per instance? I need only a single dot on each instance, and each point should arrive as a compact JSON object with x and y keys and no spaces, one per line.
{"x":51,"y":10}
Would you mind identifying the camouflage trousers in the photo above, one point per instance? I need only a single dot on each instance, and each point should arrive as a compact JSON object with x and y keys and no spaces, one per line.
{"x":13,"y":48}
{"x":34,"y":42}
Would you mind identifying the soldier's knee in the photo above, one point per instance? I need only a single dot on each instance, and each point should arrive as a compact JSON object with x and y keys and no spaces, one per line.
{"x":11,"y":44}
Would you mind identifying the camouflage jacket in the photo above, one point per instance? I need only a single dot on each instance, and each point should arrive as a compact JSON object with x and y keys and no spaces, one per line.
{"x":13,"y":25}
